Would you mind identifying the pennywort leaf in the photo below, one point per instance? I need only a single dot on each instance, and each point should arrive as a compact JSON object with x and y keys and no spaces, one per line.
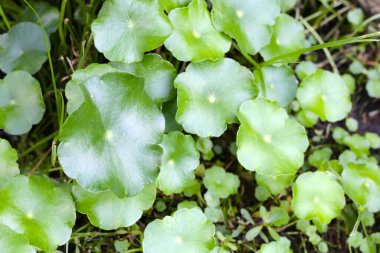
{"x":21,"y":102}
{"x":268,"y":141}
{"x":220,"y":183}
{"x":8,"y":165}
{"x":209,"y":95}
{"x":194,"y":38}
{"x":187,"y":230}
{"x":125,"y":29}
{"x":122,"y":152}
{"x":180,"y":158}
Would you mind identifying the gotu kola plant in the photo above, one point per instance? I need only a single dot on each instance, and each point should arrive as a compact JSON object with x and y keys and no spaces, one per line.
{"x":115,"y":148}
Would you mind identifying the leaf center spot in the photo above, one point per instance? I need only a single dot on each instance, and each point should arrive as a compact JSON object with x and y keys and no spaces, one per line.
{"x":239,"y":13}
{"x":212,"y":99}
{"x":316,"y":199}
{"x":171,"y":162}
{"x":131,"y":24}
{"x":323,"y":97}
{"x":13,"y":102}
{"x":179,"y":240}
{"x":29,"y":215}
{"x":196,"y":34}
{"x":367,"y":184}
{"x":109,"y":135}
{"x":267,"y":138}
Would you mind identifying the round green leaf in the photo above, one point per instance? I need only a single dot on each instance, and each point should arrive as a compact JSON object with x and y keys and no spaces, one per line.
{"x":319,"y":156}
{"x":8,"y":162}
{"x":187,"y":231}
{"x":169,"y":5}
{"x":288,"y":36}
{"x":209,"y":95}
{"x":180,"y":158}
{"x":275,"y":184}
{"x":307,"y":118}
{"x":22,"y":48}
{"x":305,"y":69}
{"x":125,"y":29}
{"x":280,"y":83}
{"x":373,"y":84}
{"x":194,"y":38}
{"x":317,"y":196}
{"x":49,"y":15}
{"x":157,"y":73}
{"x":362,"y":184}
{"x":21,"y":103}
{"x":248,"y":22}
{"x":281,"y":246}
{"x":121,"y":153}
{"x":220,"y":183}
{"x":11,"y":242}
{"x":38,"y":209}
{"x":268,"y":141}
{"x":326,"y":95}
{"x":106,"y":211}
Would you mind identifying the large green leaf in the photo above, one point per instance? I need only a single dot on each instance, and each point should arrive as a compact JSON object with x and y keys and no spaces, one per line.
{"x":317,"y":196}
{"x":157,"y":73}
{"x":288,"y":36}
{"x":111,"y":140}
{"x":21,"y":102}
{"x":11,"y":242}
{"x":194,"y":38}
{"x":38,"y":209}
{"x":325,"y":94}
{"x":125,"y":29}
{"x":280,"y":83}
{"x":248,"y":22}
{"x":106,"y":211}
{"x":49,"y":15}
{"x":268,"y":141}
{"x":179,"y":160}
{"x":209,"y":95}
{"x":187,"y":231}
{"x":8,"y":162}
{"x":22,"y":48}
{"x":362,"y":184}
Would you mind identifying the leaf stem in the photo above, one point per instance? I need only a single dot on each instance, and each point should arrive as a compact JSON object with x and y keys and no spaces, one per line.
{"x":61,"y":23}
{"x":47,"y":44}
{"x":320,"y":41}
{"x":41,"y":142}
{"x":2,"y":14}
{"x":85,"y":50}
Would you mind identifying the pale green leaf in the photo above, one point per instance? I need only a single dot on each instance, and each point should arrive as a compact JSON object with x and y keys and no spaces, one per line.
{"x":12,"y":242}
{"x":220,"y":183}
{"x":8,"y":165}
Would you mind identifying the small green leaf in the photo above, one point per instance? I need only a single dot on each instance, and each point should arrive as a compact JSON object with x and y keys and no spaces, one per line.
{"x":319,"y":156}
{"x":214,"y":214}
{"x":362,"y":184}
{"x":278,"y":216}
{"x":317,"y":196}
{"x":12,"y":242}
{"x":125,"y":29}
{"x":22,"y":48}
{"x":8,"y":162}
{"x":350,"y":82}
{"x":281,"y":246}
{"x":305,"y":69}
{"x":280,"y":83}
{"x":209,"y":95}
{"x":355,"y":17}
{"x":268,"y":141}
{"x":188,"y":230}
{"x":287,"y":36}
{"x":194,"y":38}
{"x":169,"y":5}
{"x":307,"y":118}
{"x":373,"y":84}
{"x":253,"y":233}
{"x":180,"y":158}
{"x":21,"y":102}
{"x":274,"y":184}
{"x":326,"y":95}
{"x":38,"y":209}
{"x":374,"y":140}
{"x":122,"y":152}
{"x":106,"y":211}
{"x":248,"y":22}
{"x":352,"y":124}
{"x":49,"y":15}
{"x":220,"y":183}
